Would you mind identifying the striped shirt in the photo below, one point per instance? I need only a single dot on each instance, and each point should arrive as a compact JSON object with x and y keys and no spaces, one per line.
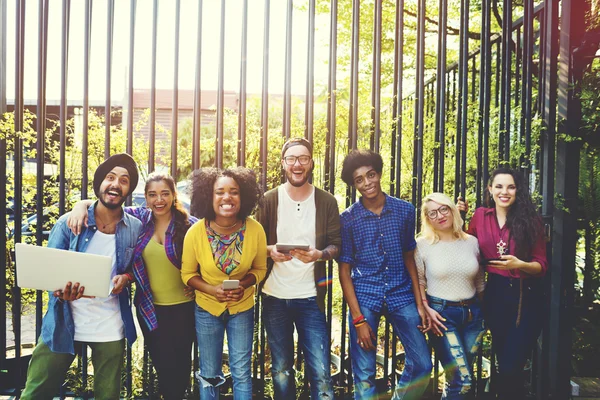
{"x":374,"y":246}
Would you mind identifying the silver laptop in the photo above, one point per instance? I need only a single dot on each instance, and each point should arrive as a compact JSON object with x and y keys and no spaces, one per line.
{"x":44,"y":268}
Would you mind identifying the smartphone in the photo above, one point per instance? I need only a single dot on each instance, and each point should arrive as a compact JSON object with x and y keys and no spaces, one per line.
{"x":285,"y":248}
{"x":230,"y":284}
{"x":486,"y":261}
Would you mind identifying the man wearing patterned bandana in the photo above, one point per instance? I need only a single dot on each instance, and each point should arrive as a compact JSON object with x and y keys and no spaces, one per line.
{"x":294,"y":292}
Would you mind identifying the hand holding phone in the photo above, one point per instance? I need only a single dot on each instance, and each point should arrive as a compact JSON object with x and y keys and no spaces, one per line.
{"x":230,"y":284}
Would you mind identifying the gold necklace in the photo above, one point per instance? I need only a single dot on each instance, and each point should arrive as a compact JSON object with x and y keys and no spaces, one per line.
{"x":225,"y":227}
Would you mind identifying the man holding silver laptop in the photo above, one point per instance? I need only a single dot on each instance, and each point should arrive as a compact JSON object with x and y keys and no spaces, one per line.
{"x":73,"y":319}
{"x":302,"y":225}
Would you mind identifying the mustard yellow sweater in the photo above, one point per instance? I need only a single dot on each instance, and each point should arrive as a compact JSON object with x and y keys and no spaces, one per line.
{"x":198,"y":260}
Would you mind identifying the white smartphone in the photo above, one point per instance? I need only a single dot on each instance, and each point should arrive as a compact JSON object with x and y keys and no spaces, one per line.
{"x":230,"y":284}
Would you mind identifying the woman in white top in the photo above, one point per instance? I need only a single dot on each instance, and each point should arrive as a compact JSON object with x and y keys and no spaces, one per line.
{"x":451,"y":280}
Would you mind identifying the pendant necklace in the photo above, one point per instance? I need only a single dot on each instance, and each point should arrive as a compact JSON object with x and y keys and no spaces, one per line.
{"x":501,"y":245}
{"x":104,"y":225}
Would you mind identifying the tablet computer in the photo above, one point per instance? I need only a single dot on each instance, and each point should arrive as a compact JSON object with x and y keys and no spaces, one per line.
{"x":45,"y":268}
{"x":285,"y":248}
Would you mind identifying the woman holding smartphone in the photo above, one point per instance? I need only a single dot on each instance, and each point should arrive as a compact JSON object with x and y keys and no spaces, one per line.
{"x":164,"y":305}
{"x":225,"y":245}
{"x":451,"y":283}
{"x":511,"y":239}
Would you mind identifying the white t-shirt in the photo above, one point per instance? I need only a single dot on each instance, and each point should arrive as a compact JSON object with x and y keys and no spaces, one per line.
{"x":450,"y":270}
{"x":99,"y":319}
{"x":296,"y":224}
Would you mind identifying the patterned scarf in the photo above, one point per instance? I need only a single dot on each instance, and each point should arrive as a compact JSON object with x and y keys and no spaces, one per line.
{"x":227,"y":249}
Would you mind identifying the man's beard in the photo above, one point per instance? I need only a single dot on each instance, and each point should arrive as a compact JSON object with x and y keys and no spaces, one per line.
{"x":111,"y":206}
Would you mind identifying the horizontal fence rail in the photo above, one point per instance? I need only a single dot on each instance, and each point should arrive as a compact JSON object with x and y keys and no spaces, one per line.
{"x":443,"y":100}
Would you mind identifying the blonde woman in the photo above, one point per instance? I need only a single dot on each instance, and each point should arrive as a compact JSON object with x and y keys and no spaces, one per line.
{"x":451,"y":281}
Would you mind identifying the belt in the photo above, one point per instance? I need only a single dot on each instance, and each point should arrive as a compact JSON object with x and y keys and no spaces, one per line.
{"x":462,"y":303}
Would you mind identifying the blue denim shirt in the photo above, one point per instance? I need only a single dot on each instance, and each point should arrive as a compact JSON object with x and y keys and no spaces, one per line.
{"x":58,"y":327}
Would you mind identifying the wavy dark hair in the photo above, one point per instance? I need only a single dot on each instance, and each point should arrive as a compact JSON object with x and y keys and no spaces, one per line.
{"x":179,"y":213}
{"x":360,"y":158}
{"x":203,"y":182}
{"x":522,"y":220}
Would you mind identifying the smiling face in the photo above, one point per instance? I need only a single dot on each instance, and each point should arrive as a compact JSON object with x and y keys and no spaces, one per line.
{"x":226,"y":197}
{"x":114,"y":188}
{"x":367,"y":181}
{"x":503,"y":190}
{"x":440,"y":216}
{"x":297,"y":174}
{"x":159,"y":198}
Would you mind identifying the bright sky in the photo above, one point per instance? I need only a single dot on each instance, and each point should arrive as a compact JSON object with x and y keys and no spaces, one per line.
{"x":211,"y":18}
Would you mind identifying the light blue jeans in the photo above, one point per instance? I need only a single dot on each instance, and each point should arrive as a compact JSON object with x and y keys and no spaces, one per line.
{"x":458,"y":346}
{"x":210,"y":331}
{"x":280,"y":317}
{"x":417,"y":366}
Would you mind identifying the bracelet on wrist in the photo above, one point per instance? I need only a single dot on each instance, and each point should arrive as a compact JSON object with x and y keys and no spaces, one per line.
{"x":361,"y":323}
{"x":358,"y":319}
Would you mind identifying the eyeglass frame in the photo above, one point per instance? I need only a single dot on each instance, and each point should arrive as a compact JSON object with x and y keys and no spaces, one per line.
{"x":438,"y":211}
{"x":296,"y":158}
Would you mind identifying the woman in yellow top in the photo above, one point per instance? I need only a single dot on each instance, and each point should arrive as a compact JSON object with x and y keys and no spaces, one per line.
{"x":224,"y":245}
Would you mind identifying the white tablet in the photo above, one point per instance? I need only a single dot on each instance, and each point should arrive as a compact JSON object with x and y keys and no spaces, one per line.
{"x":285,"y":248}
{"x":44,"y":268}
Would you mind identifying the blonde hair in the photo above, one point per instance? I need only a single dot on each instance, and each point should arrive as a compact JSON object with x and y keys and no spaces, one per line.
{"x":427,"y":230}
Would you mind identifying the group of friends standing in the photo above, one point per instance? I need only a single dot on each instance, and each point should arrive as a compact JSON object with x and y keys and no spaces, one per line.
{"x":430,"y":285}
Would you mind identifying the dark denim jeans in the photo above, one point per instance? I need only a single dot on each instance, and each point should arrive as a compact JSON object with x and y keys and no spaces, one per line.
{"x":459,"y":345}
{"x":210,"y":331}
{"x":417,"y":366}
{"x":280,"y":317}
{"x":513,"y":343}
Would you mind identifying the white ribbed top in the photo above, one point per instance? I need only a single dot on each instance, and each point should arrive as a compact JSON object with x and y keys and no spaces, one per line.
{"x":450,"y":270}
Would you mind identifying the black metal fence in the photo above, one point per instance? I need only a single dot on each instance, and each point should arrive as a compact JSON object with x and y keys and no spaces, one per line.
{"x":489,"y":96}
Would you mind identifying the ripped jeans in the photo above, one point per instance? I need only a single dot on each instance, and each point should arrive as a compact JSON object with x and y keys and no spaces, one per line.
{"x":458,"y":346}
{"x":210,"y":331}
{"x":280,"y":316}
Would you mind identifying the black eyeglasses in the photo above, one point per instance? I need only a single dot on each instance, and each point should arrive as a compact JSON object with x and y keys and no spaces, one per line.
{"x":291,"y":160}
{"x":433,"y":214}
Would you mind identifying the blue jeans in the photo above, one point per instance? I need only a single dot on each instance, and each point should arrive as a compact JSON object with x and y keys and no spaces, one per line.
{"x":417,"y":366}
{"x":210,"y":333}
{"x":280,"y":317}
{"x":459,"y":345}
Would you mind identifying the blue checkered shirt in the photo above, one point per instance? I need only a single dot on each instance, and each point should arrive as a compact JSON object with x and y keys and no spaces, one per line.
{"x":143,"y":294}
{"x":373,"y":245}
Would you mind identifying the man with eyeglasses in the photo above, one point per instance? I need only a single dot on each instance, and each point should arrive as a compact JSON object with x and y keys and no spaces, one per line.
{"x":298,"y":214}
{"x":378,"y":275}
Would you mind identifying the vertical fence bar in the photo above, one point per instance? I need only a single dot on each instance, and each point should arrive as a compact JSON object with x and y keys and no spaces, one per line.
{"x":331,"y":106}
{"x":264,"y":115}
{"x":152,"y":122}
{"x":353,"y":106}
{"x":64,"y":63}
{"x":487,"y":93}
{"x":86,"y":98}
{"x":241,"y":147}
{"x":18,"y":170}
{"x":132,"y":11}
{"x":440,"y":102}
{"x":175,"y":110}
{"x":497,"y":76}
{"x":376,"y":82}
{"x":110,"y":18}
{"x":395,"y":170}
{"x":419,"y":108}
{"x":221,"y":91}
{"x":505,"y":103}
{"x":310,"y":75}
{"x":526,"y":98}
{"x":287,"y":93}
{"x":198,"y":94}
{"x":464,"y":96}
{"x":3,"y":239}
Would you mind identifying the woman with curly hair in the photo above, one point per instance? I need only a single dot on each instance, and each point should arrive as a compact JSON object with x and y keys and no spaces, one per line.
{"x":225,"y":245}
{"x":511,"y":241}
{"x":165,"y":307}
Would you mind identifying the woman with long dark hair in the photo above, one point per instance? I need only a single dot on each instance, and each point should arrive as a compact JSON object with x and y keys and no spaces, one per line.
{"x":511,"y":240}
{"x":224,"y":257}
{"x":165,"y":307}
